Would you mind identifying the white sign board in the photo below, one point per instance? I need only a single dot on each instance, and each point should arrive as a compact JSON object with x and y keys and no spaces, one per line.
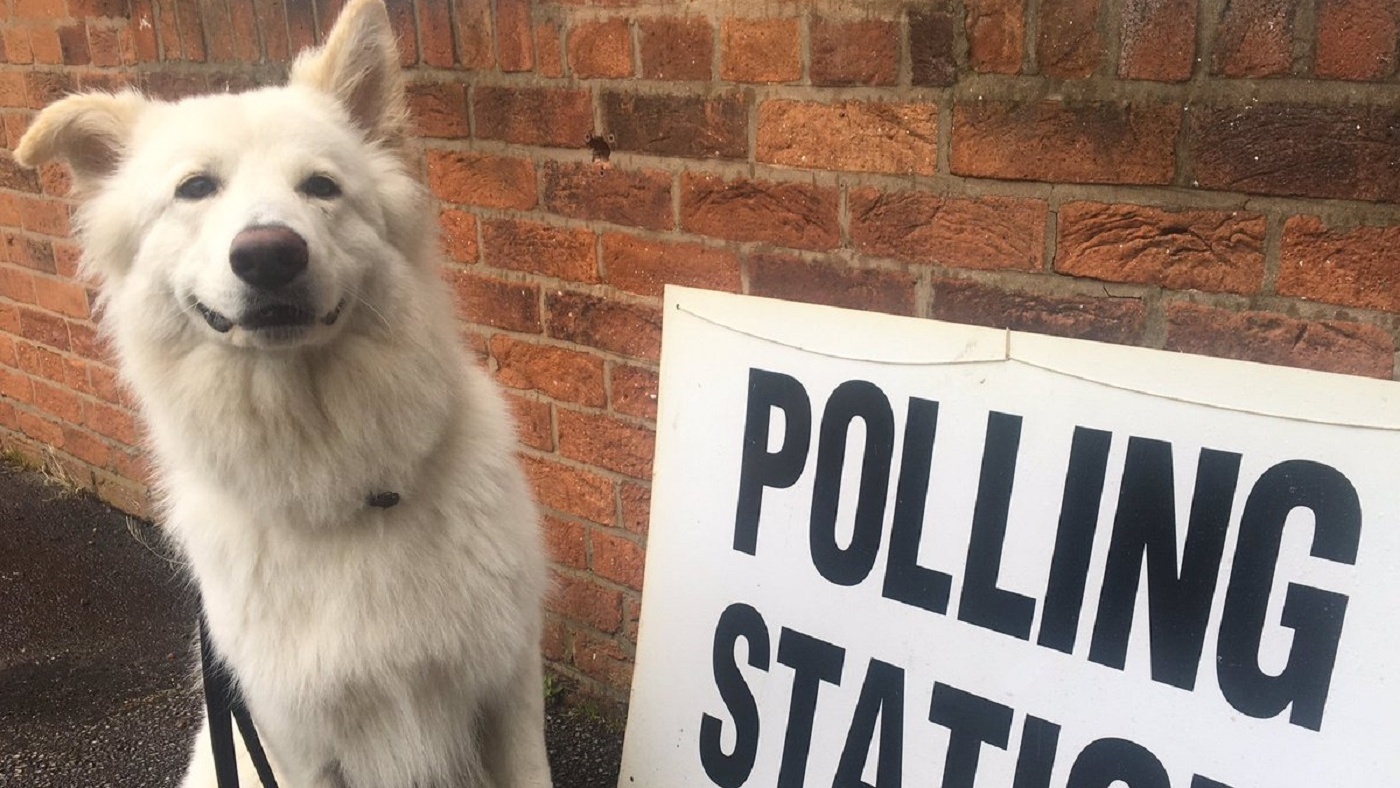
{"x":893,"y":552}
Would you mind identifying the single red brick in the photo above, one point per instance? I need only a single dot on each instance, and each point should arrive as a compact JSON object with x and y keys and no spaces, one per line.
{"x":1159,"y":40}
{"x":636,"y":507}
{"x":690,"y":126}
{"x":534,"y":421}
{"x":760,"y":50}
{"x":677,"y":48}
{"x":65,"y":298}
{"x":1069,"y":45}
{"x":644,"y":266}
{"x":1350,"y":153}
{"x":474,"y":33}
{"x":1255,"y":39}
{"x":615,"y":326}
{"x":932,"y":44}
{"x":17,"y":285}
{"x":459,"y":235}
{"x":604,"y":442}
{"x":16,"y":386}
{"x":862,"y":136}
{"x":1056,"y":141}
{"x":481,"y":179}
{"x":980,"y":233}
{"x":405,"y":25}
{"x":48,"y":217}
{"x":1216,"y":251}
{"x":141,"y":25}
{"x":44,"y":328}
{"x":1118,"y":320}
{"x":601,"y":48}
{"x":191,"y":26}
{"x":59,"y":403}
{"x":557,"y":117}
{"x":567,"y":542}
{"x":16,"y":45}
{"x":996,"y":35}
{"x":104,"y":46}
{"x":833,"y":284}
{"x":45,"y":46}
{"x":41,"y":361}
{"x":557,"y":372}
{"x":632,"y":390}
{"x":111,"y":9}
{"x":40,"y":9}
{"x":106,"y":386}
{"x":513,"y":35}
{"x":12,"y":95}
{"x":111,"y":422}
{"x":86,"y":447}
{"x":435,"y":30}
{"x":133,"y":499}
{"x":1356,"y":39}
{"x":547,"y":250}
{"x":513,"y":306}
{"x":46,"y":87}
{"x":73,"y":45}
{"x":439,"y":109}
{"x":569,"y":489}
{"x":1269,"y":338}
{"x":641,"y":198}
{"x":555,"y":642}
{"x":33,"y":253}
{"x":617,"y":558}
{"x":272,"y":22}
{"x":1356,"y":266}
{"x":796,"y":215}
{"x":854,"y":51}
{"x":168,"y":31}
{"x":9,"y":316}
{"x":549,"y":59}
{"x":604,"y":661}
{"x":41,"y":429}
{"x":243,"y":16}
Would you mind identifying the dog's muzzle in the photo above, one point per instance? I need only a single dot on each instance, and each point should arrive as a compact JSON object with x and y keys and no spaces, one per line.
{"x":268,"y":317}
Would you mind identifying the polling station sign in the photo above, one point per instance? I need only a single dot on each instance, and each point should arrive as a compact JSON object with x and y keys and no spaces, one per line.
{"x":890,"y":552}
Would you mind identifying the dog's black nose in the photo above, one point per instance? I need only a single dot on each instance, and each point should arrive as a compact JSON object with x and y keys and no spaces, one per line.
{"x":268,"y":257}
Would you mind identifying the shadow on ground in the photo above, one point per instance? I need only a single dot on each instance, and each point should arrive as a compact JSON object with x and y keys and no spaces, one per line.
{"x":97,"y":687}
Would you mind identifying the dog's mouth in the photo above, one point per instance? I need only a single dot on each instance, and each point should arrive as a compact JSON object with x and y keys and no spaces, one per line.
{"x":268,"y":317}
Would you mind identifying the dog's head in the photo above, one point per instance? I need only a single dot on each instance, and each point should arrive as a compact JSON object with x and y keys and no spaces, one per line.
{"x":259,"y":219}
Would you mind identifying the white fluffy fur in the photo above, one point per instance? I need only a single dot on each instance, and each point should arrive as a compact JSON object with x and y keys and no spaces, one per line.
{"x":376,"y":648}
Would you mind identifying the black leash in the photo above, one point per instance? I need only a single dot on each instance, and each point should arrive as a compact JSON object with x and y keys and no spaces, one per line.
{"x":225,"y":705}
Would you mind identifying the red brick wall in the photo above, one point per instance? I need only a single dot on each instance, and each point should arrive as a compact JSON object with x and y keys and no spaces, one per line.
{"x":1215,"y":176}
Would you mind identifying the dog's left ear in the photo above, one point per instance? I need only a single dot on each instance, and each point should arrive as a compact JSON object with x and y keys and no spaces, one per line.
{"x":359,"y":66}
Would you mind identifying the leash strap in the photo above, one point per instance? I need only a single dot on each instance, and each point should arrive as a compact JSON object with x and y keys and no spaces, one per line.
{"x":224,"y":705}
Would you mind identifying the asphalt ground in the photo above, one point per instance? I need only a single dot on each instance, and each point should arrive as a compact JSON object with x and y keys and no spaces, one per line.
{"x":97,"y":655}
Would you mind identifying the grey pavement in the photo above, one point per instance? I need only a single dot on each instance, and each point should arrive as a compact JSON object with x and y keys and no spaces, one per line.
{"x":97,"y":681}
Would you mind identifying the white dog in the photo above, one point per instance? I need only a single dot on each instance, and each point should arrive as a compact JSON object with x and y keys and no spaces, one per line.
{"x":340,"y":477}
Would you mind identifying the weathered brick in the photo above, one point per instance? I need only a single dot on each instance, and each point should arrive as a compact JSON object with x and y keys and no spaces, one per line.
{"x":514,"y":35}
{"x":566,"y":541}
{"x":677,"y":48}
{"x":547,"y":250}
{"x":614,"y":326}
{"x":481,"y":179}
{"x":1118,"y":320}
{"x":112,"y":422}
{"x":1159,"y":40}
{"x":44,"y":328}
{"x":556,"y":117}
{"x":272,"y":24}
{"x":1356,"y":39}
{"x":632,"y":390}
{"x":17,"y":285}
{"x":996,"y":35}
{"x":40,"y":9}
{"x":105,"y":46}
{"x":60,"y":403}
{"x":534,"y":422}
{"x":636,"y":507}
{"x":690,"y":126}
{"x":570,"y":489}
{"x":549,"y":56}
{"x":514,"y":306}
{"x":1298,"y":150}
{"x":932,"y":45}
{"x":459,"y":235}
{"x":1055,"y":141}
{"x":1068,"y":44}
{"x":641,"y":198}
{"x":1254,"y":39}
{"x":760,"y":50}
{"x":1216,"y":251}
{"x":64,"y":297}
{"x":45,"y":45}
{"x":191,"y":26}
{"x":1351,"y":266}
{"x":46,"y":87}
{"x":605,"y":442}
{"x":601,"y":48}
{"x":73,"y":45}
{"x":15,"y":386}
{"x":134,"y":499}
{"x":435,"y":31}
{"x":833,"y":284}
{"x":1269,"y":338}
{"x":854,"y":51}
{"x":849,"y":135}
{"x":604,"y":661}
{"x":980,"y":233}
{"x":41,"y":429}
{"x":797,"y":215}
{"x":439,"y":109}
{"x":474,"y":33}
{"x":617,"y":558}
{"x":583,"y":599}
{"x":644,"y":266}
{"x":557,"y":372}
{"x":16,"y":44}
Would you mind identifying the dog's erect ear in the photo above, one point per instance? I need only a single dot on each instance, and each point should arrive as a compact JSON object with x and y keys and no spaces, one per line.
{"x":89,"y":131}
{"x":359,"y":66}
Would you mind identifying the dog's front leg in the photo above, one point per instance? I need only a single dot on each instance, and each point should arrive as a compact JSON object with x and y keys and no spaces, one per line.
{"x":513,"y":736}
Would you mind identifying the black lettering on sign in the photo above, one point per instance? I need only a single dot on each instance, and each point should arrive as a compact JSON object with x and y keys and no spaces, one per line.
{"x":905,"y":580}
{"x":881,"y":698}
{"x":1197,"y":781}
{"x":854,"y":399}
{"x":1314,"y":615}
{"x":1036,"y":759}
{"x":814,"y":661}
{"x":1144,"y":530}
{"x":1109,"y":762}
{"x":1074,"y":538}
{"x":982,"y":602}
{"x":760,"y":468}
{"x":738,"y":621}
{"x":971,"y":721}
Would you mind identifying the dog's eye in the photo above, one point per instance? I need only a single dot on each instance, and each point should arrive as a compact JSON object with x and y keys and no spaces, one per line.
{"x":196,"y":187}
{"x":320,"y":187}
